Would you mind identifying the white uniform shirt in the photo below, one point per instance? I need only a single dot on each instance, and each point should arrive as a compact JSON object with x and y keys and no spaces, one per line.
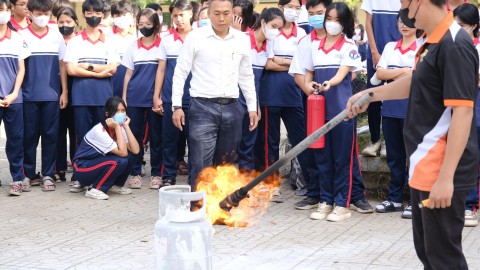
{"x":218,"y":67}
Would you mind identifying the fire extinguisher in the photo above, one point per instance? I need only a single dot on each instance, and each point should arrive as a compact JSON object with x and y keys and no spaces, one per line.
{"x":316,"y":116}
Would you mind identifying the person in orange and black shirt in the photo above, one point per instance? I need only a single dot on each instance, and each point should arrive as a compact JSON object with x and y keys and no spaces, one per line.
{"x":440,"y":134}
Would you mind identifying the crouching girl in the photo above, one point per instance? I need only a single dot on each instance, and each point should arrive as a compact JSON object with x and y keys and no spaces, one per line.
{"x":104,"y":157}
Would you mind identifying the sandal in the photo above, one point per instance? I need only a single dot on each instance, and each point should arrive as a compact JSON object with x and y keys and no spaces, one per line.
{"x":60,"y":176}
{"x":135,"y":182}
{"x":26,"y":185}
{"x":48,"y":184}
{"x":16,"y":188}
{"x":156,"y":182}
{"x":37,"y":180}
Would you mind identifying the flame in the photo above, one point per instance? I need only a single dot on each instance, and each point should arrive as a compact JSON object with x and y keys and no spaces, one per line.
{"x":221,"y":181}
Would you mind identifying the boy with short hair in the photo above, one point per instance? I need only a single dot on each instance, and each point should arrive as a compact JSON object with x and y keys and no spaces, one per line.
{"x":12,"y":70}
{"x":44,"y":92}
{"x":92,"y":60}
{"x":123,"y":36}
{"x":19,"y":20}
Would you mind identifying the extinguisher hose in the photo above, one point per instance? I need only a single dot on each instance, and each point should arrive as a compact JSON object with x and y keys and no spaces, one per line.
{"x":234,"y":199}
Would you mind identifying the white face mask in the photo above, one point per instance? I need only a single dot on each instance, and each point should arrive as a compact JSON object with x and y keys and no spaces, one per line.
{"x":333,"y":28}
{"x":5,"y":17}
{"x":123,"y":22}
{"x":291,"y":14}
{"x":41,"y":21}
{"x":358,"y":31}
{"x":270,"y":33}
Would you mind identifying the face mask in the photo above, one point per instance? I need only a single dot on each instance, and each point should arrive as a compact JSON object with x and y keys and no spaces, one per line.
{"x":41,"y":21}
{"x":410,"y":23}
{"x":290,"y":14}
{"x":146,"y":32}
{"x":66,"y":30}
{"x":160,"y":18}
{"x":122,"y":22}
{"x":270,"y":33}
{"x":119,"y":118}
{"x":316,"y":21}
{"x":358,"y":31}
{"x":93,"y":21}
{"x":333,"y":28}
{"x":204,"y":22}
{"x":5,"y":17}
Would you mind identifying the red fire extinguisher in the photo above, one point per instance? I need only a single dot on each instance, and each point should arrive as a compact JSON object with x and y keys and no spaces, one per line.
{"x":316,"y":116}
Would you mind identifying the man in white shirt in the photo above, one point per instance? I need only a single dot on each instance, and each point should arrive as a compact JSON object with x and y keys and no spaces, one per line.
{"x":219,"y":58}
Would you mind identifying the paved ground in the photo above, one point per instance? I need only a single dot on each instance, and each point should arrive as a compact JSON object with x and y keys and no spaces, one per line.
{"x":60,"y":230}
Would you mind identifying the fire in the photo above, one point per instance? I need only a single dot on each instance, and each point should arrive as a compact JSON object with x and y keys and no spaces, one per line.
{"x":220,"y":182}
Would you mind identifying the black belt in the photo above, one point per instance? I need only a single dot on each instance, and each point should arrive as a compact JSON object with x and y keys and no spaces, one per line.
{"x":221,"y":101}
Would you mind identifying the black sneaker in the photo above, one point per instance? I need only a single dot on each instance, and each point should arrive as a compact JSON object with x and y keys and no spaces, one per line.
{"x":388,"y":206}
{"x":307,"y":203}
{"x":407,"y":212}
{"x":362,"y":206}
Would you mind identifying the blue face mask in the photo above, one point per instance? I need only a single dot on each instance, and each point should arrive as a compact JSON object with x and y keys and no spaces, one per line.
{"x":316,"y":21}
{"x":120,"y":118}
{"x":204,"y":22}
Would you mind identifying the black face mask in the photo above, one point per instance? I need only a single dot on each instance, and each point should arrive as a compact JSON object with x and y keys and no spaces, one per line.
{"x":66,"y":30}
{"x":410,"y":23}
{"x":93,"y":21}
{"x":146,"y":32}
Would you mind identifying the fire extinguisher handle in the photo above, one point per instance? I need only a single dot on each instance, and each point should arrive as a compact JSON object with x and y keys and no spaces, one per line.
{"x":316,"y":92}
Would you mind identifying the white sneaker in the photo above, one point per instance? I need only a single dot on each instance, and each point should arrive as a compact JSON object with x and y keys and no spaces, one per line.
{"x":471,"y":218}
{"x":120,"y":190}
{"x":135,"y":182}
{"x":383,"y":151}
{"x":372,"y":149}
{"x":339,"y":214}
{"x":96,"y":194}
{"x":323,"y":210}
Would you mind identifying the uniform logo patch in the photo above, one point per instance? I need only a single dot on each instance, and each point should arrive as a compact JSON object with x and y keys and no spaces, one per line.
{"x":354,"y":54}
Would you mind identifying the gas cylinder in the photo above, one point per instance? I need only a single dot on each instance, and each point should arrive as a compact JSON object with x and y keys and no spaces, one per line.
{"x":316,"y":117}
{"x":183,"y":239}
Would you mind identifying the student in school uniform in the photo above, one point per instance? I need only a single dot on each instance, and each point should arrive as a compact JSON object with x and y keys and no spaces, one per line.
{"x":181,"y":14}
{"x":92,"y":60}
{"x":13,"y":52}
{"x":67,"y":22}
{"x":330,"y":67}
{"x":45,"y":92}
{"x":19,"y":19}
{"x":243,"y":18}
{"x":203,"y":19}
{"x":280,"y":98}
{"x":302,"y":20}
{"x":141,"y":61}
{"x":396,"y":62}
{"x":106,"y":22}
{"x":265,"y":30}
{"x":381,"y":28}
{"x":106,"y":153}
{"x":316,"y":19}
{"x":122,"y":37}
{"x":467,"y":17}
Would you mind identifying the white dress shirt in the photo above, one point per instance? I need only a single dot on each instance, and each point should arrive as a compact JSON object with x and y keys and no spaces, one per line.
{"x":218,"y":67}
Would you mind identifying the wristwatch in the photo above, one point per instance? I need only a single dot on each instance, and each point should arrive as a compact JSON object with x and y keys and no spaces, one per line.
{"x":174,"y":108}
{"x":90,"y":68}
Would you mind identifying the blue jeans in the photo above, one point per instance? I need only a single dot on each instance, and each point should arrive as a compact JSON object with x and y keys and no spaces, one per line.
{"x":215,"y":132}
